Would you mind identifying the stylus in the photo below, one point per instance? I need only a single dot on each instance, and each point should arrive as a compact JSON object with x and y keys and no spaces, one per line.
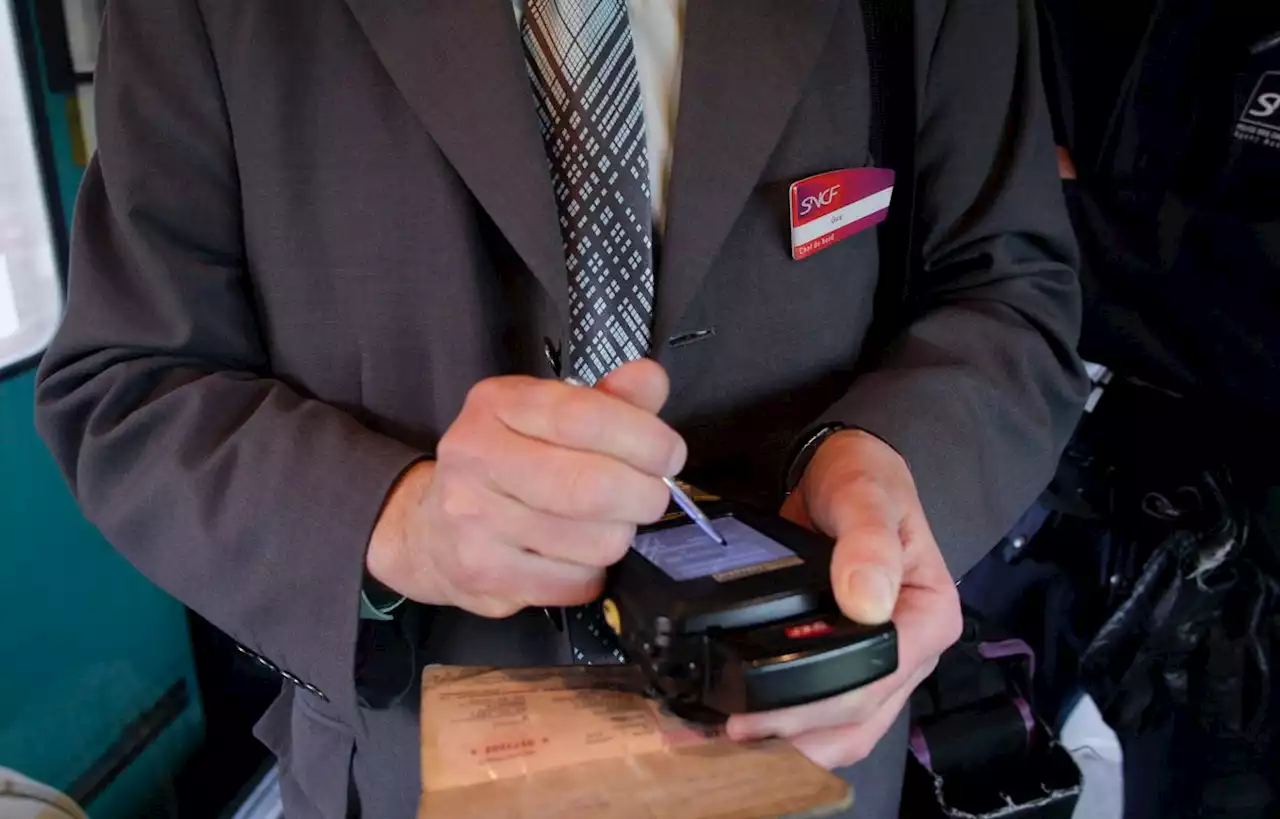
{"x":691,"y":509}
{"x":677,"y":494}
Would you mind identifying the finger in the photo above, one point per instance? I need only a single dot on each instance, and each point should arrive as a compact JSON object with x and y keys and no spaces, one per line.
{"x":568,"y":483}
{"x":848,"y":708}
{"x":491,"y":570}
{"x":641,"y":383}
{"x":839,"y":746}
{"x":866,"y":567}
{"x":923,"y":562}
{"x":587,"y":543}
{"x":851,"y":708}
{"x":928,"y":611}
{"x":927,"y":620}
{"x":584,"y":419}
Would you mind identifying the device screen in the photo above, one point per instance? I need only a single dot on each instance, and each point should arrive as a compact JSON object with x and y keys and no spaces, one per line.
{"x":686,"y":553}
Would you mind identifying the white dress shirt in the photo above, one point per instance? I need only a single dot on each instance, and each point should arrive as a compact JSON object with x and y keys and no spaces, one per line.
{"x":656,"y":29}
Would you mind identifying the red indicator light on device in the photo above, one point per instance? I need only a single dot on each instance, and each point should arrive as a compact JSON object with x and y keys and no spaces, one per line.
{"x":815,"y":629}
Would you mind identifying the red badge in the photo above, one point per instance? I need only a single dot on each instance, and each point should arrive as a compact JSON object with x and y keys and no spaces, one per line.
{"x":833,"y":206}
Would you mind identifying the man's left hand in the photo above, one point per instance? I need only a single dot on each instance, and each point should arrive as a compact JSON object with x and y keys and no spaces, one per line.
{"x":886,"y":565}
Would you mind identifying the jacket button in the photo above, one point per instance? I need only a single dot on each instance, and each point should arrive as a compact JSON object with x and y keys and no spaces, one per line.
{"x":552,"y":352}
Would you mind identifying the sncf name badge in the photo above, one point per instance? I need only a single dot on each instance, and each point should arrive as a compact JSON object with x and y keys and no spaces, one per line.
{"x":833,"y":206}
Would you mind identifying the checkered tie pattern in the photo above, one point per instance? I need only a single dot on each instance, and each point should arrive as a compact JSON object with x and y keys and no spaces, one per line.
{"x":582,"y":67}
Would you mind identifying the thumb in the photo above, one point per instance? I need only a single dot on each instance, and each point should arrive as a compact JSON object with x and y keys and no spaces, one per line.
{"x":641,"y":383}
{"x":866,"y":567}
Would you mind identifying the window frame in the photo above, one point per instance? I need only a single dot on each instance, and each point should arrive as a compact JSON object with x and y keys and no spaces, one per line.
{"x":31,"y":77}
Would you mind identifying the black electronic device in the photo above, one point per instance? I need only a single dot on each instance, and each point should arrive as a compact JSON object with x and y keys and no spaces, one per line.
{"x":748,"y":626}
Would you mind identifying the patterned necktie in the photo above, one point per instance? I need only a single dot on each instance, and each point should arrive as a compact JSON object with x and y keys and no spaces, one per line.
{"x":583,"y":69}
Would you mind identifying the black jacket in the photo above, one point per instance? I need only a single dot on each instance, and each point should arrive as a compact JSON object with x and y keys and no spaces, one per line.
{"x":1177,"y":206}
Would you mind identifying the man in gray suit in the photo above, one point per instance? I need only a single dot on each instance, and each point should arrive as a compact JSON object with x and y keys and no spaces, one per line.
{"x":334,"y":256}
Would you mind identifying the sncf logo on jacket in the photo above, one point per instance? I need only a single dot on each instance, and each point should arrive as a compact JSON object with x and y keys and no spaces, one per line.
{"x":1260,"y":121}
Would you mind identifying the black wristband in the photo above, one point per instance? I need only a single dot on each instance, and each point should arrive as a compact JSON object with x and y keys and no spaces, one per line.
{"x":804,"y":454}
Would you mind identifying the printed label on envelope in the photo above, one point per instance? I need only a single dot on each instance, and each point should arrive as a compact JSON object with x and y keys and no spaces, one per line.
{"x":833,"y":206}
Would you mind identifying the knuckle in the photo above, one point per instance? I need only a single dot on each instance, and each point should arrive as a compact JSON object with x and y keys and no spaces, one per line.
{"x":461,"y":443}
{"x":859,"y":710}
{"x":660,"y":451}
{"x":677,"y":454}
{"x":586,"y":589}
{"x":450,"y":446}
{"x":474,"y":572}
{"x":494,"y":608}
{"x":483,"y":394}
{"x":570,"y":590}
{"x":460,"y":503}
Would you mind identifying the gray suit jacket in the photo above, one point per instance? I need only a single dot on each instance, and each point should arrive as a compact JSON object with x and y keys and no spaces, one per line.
{"x":312,"y":225}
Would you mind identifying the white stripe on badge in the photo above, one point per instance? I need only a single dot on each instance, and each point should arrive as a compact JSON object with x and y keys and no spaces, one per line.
{"x":837,"y":219}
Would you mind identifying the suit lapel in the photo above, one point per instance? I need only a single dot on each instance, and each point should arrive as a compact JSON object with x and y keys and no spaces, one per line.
{"x":744,"y":67}
{"x":460,"y":65}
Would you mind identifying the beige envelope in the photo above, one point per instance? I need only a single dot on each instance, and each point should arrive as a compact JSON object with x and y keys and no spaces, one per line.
{"x":575,"y":742}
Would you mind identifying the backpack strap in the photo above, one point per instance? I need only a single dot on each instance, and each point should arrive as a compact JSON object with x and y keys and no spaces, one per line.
{"x":891,"y":53}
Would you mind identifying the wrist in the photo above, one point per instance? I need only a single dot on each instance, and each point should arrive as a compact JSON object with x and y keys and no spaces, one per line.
{"x":849,"y":458}
{"x":829,"y":438}
{"x":798,"y":465}
{"x":389,"y":543}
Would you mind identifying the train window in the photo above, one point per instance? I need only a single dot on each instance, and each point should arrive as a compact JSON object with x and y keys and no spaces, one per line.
{"x":30,"y":290}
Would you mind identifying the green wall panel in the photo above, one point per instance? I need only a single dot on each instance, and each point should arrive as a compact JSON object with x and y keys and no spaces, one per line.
{"x":88,"y":643}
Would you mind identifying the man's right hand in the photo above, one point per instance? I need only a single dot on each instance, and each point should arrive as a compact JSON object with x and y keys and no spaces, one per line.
{"x":537,"y":487}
